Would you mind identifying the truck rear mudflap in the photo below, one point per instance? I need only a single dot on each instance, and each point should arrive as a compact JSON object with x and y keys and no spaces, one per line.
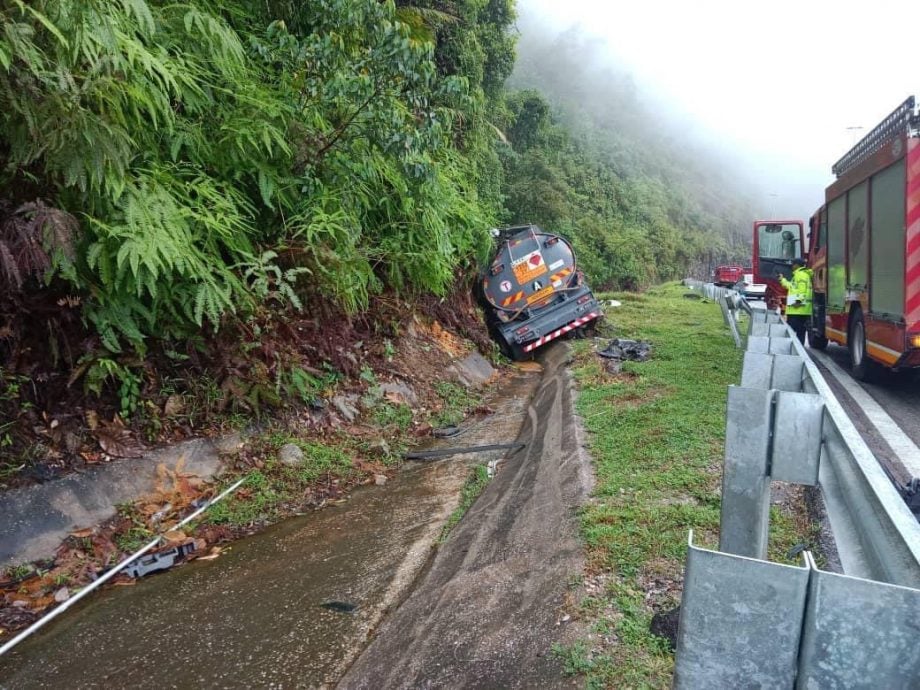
{"x":552,"y":322}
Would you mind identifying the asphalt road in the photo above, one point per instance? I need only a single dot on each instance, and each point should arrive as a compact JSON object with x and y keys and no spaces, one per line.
{"x":891,"y":432}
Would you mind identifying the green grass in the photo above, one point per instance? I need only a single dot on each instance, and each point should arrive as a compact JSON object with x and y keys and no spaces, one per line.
{"x":656,"y":434}
{"x":275,"y":490}
{"x":457,"y":402}
{"x":474,"y":485}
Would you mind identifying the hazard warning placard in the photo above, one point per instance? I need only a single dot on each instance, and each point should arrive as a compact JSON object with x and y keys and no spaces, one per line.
{"x":528,"y":267}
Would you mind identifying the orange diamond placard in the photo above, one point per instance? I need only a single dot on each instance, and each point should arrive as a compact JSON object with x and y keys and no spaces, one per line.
{"x":528,"y":267}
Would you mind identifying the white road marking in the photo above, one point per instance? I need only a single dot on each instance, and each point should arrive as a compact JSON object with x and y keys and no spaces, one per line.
{"x":907,"y":451}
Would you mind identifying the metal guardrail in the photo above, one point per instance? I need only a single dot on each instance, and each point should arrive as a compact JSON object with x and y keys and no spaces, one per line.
{"x":745,"y":619}
{"x":876,"y":534}
{"x":748,"y":623}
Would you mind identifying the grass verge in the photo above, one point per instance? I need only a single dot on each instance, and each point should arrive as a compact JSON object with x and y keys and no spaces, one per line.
{"x":474,"y":485}
{"x":656,"y":434}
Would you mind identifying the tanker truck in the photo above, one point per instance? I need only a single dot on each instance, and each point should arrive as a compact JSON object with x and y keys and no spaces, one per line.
{"x":532,"y":291}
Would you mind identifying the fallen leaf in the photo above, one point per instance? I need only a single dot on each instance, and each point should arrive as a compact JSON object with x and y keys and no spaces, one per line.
{"x":91,"y":457}
{"x":82,"y":533}
{"x":174,"y":536}
{"x":174,"y":405}
{"x":118,"y":442}
{"x":395,"y":397}
{"x":41,"y":603}
{"x":214,"y":553}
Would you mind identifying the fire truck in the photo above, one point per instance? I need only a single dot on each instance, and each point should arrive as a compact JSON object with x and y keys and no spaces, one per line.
{"x":776,"y":244}
{"x":865,"y":249}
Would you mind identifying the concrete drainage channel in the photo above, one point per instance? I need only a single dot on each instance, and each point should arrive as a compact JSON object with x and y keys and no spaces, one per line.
{"x":745,"y":621}
{"x":296,"y":605}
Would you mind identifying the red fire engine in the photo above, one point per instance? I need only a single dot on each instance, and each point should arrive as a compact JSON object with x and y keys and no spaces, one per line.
{"x":865,"y":249}
{"x":776,"y":244}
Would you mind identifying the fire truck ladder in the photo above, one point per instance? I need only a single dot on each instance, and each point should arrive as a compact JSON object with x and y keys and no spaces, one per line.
{"x":900,"y":121}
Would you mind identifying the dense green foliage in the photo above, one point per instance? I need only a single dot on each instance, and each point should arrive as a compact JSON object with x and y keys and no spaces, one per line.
{"x":221,"y":153}
{"x":175,"y":168}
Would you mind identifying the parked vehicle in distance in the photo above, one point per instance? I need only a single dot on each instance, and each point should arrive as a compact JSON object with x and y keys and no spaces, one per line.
{"x":727,"y":276}
{"x":750,"y":289}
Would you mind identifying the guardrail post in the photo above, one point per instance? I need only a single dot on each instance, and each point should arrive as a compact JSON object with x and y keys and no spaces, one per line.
{"x":750,"y":623}
{"x":788,"y":373}
{"x":796,"y":452}
{"x":740,"y":622}
{"x":745,"y":513}
{"x":858,"y":634}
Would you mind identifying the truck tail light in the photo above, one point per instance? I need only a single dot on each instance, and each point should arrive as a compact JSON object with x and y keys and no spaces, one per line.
{"x":583,"y":299}
{"x":496,"y":269}
{"x":551,"y":241}
{"x":915,"y":341}
{"x":522,"y":330}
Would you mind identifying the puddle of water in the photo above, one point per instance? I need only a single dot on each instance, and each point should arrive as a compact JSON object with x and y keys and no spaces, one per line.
{"x":291,"y":607}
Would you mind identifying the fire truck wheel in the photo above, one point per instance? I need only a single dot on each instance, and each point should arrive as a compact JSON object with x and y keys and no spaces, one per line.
{"x":862,"y":368}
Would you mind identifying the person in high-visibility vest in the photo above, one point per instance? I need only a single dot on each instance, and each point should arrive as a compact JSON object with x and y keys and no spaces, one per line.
{"x":798,"y":299}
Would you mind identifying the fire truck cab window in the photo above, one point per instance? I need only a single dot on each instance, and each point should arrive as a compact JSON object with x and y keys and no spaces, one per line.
{"x":777,"y":241}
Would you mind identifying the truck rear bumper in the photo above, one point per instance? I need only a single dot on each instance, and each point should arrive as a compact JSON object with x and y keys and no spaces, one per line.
{"x":552,"y":322}
{"x":581,"y":321}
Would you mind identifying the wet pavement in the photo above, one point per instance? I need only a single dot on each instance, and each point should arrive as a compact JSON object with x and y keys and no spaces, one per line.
{"x":898,"y":393}
{"x":489,"y":610}
{"x":255,"y":617}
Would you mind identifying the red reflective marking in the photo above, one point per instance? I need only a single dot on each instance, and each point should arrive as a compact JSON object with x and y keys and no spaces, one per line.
{"x":913,"y":215}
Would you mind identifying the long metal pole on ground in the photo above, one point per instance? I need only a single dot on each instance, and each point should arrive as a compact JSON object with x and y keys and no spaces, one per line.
{"x":41,"y":622}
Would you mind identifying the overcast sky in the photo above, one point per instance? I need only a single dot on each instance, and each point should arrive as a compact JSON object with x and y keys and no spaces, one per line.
{"x":781,"y":82}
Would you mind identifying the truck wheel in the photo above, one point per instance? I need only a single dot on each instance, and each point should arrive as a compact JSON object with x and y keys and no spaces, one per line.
{"x":518,"y":354}
{"x":512,"y":351}
{"x":861,"y":367}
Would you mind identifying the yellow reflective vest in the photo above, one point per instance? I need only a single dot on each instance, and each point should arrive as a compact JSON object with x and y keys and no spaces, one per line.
{"x":798,"y":303}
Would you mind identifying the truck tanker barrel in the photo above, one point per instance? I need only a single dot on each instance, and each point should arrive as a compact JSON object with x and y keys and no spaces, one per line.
{"x":532,"y":291}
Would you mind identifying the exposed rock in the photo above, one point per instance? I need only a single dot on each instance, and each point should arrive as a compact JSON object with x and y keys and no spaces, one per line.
{"x":345,"y":404}
{"x":472,"y":371}
{"x":622,"y":348}
{"x":291,"y":455}
{"x":231,"y":443}
{"x":399,"y":393}
{"x":380,"y":479}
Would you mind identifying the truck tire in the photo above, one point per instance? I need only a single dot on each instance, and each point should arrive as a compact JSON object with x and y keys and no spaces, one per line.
{"x":512,"y":351}
{"x":861,"y":367}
